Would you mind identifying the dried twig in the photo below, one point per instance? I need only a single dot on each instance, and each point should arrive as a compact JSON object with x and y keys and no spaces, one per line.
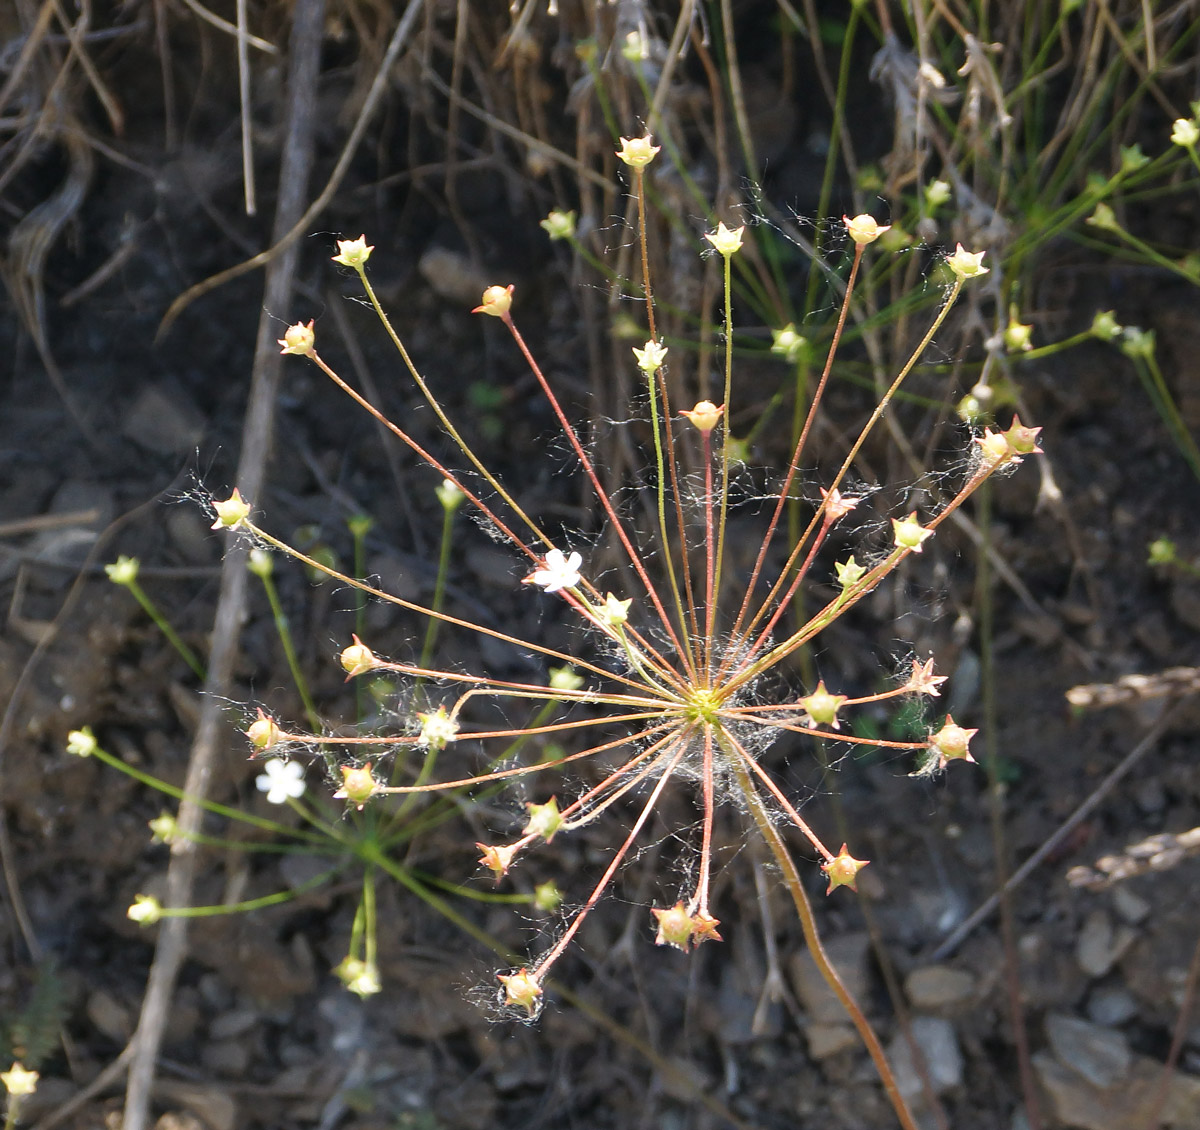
{"x":307,"y":26}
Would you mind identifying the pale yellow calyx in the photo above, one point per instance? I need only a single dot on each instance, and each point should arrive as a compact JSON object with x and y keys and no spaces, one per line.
{"x":358,"y":784}
{"x":1185,"y":132}
{"x":438,"y":729}
{"x":18,"y":1082}
{"x":263,"y":733}
{"x":864,"y":229}
{"x":231,"y":512}
{"x":966,"y":264}
{"x":727,"y":241}
{"x":704,"y":416}
{"x":637,"y":152}
{"x":521,"y":989}
{"x":353,"y":252}
{"x":299,"y":340}
{"x":497,"y":301}
{"x":651,"y":357}
{"x":615,"y":612}
{"x":909,"y":533}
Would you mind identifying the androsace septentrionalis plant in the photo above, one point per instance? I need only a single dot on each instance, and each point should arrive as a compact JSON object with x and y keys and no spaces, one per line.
{"x":683,"y":646}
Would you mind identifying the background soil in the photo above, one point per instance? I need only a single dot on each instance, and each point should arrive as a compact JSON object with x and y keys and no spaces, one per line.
{"x":261,"y":1032}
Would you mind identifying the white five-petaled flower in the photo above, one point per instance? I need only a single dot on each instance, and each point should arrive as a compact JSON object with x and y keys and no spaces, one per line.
{"x":558,"y":572}
{"x":281,"y":780}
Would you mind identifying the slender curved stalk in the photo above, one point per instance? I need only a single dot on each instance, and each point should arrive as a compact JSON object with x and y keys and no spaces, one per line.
{"x":791,"y":877}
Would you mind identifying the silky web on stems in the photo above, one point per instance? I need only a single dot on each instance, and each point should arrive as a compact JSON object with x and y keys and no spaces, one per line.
{"x":681,"y":690}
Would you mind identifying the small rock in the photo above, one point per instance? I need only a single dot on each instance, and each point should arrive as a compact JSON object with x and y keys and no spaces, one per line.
{"x":164,"y":419}
{"x":452,"y":275}
{"x":191,"y":535}
{"x":229,"y":1058}
{"x":1093,"y":947}
{"x":939,"y":986}
{"x":1100,"y":1055}
{"x":1150,"y":796}
{"x":848,"y":954}
{"x":826,"y":1040}
{"x":214,"y":1105}
{"x":232,"y":1023}
{"x":1185,"y":602}
{"x":1080,"y":1104}
{"x":1111,"y":1008}
{"x":109,"y":1016}
{"x":938,"y":1046}
{"x":1099,"y":946}
{"x":1129,"y":905}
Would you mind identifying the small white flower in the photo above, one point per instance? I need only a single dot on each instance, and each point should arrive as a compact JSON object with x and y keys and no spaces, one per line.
{"x":559,"y":571}
{"x":281,"y":780}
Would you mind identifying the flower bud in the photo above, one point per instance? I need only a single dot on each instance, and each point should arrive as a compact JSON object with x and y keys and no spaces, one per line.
{"x":1018,"y":337}
{"x":1106,"y":327}
{"x":675,"y":926}
{"x":863,"y":229}
{"x":1132,"y":158}
{"x":842,"y":870}
{"x":1103,"y":218}
{"x":849,"y":572}
{"x":909,"y":533}
{"x":633,"y":48}
{"x":1162,"y":552}
{"x":565,"y":679}
{"x":522,"y":989}
{"x":164,"y":829}
{"x":353,"y":252}
{"x":358,"y":785}
{"x":544,"y":819}
{"x":82,"y":743}
{"x":1021,"y":439}
{"x":835,"y":505}
{"x":357,"y":658}
{"x":966,"y":264}
{"x":704,"y":416}
{"x":18,"y":1083}
{"x":822,"y":707}
{"x":547,"y":897}
{"x":994,"y":447}
{"x":651,"y":358}
{"x":299,"y":340}
{"x":937,"y":192}
{"x":497,"y":301}
{"x":615,"y":612}
{"x":951,"y":743}
{"x":559,"y":225}
{"x":231,"y":513}
{"x":788,"y":344}
{"x":263,"y":733}
{"x":923,"y":680}
{"x":123,"y":571}
{"x":497,"y":859}
{"x":727,"y":241}
{"x":1185,"y":132}
{"x":450,"y":495}
{"x":358,"y":976}
{"x":438,"y":729}
{"x":145,"y":911}
{"x":637,"y":152}
{"x":260,"y":563}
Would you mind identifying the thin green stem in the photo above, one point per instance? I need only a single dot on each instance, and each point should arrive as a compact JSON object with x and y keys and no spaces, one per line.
{"x":439,"y":587}
{"x":164,"y":626}
{"x":289,"y":650}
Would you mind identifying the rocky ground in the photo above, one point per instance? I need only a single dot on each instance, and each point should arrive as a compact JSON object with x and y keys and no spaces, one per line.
{"x":742,"y":1033}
